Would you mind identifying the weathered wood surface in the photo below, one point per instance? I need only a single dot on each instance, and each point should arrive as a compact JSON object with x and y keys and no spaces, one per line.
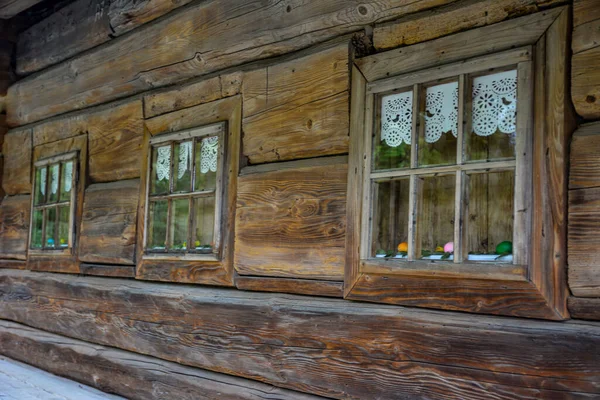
{"x":16,"y":178}
{"x":584,"y":242}
{"x":328,"y":347}
{"x":126,"y":15}
{"x":452,"y":18}
{"x":128,"y":374}
{"x":585,"y":157}
{"x":14,"y":226}
{"x":585,"y":86}
{"x":584,"y":308}
{"x":108,"y":226}
{"x":117,"y":271}
{"x":294,"y":286}
{"x":292,"y":222}
{"x":10,"y":8}
{"x":160,"y":54}
{"x":115,"y":138}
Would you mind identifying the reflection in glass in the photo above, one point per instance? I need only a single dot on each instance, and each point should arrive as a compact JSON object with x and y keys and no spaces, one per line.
{"x":390,"y":226}
{"x":391,"y":147}
{"x":204,"y":207}
{"x":492,"y":114}
{"x":53,"y":186}
{"x":178,"y":230}
{"x":66,"y":180}
{"x":439,"y":124}
{"x":63,"y":226}
{"x":182,"y":175}
{"x":36,"y":230}
{"x":40,"y":185}
{"x":161,"y":169}
{"x":157,"y":225}
{"x":50,"y":227}
{"x":436,"y":216}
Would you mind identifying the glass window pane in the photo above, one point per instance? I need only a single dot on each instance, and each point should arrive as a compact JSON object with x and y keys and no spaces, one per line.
{"x":490,"y":216}
{"x":207,"y":163}
{"x":50,"y":227}
{"x":66,"y":180}
{"x":204,"y":208}
{"x":161,"y":169}
{"x":492,"y":116}
{"x":157,"y":225}
{"x":41,"y":175}
{"x":36,"y":230}
{"x":390,"y":222}
{"x":178,"y":230}
{"x":438,"y":124}
{"x":436,"y":216}
{"x":63,"y":226}
{"x":53,"y":187}
{"x":392,"y":142}
{"x":182,"y":175}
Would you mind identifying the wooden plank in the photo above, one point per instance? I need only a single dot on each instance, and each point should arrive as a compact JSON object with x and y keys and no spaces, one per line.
{"x":117,"y":271}
{"x":10,"y":8}
{"x":585,"y":83}
{"x":79,"y":26}
{"x":159,"y":55}
{"x":295,"y":286}
{"x":16,"y":150}
{"x":586,"y":36}
{"x":584,"y":308}
{"x":585,"y":11}
{"x":319,"y":128}
{"x":584,"y":241}
{"x":108,"y":226}
{"x":292,"y":223}
{"x":115,"y":139}
{"x":585,"y":157}
{"x":452,"y":18}
{"x":128,"y":374}
{"x":489,"y":39}
{"x":126,"y":15}
{"x":328,"y":347}
{"x":14,"y":226}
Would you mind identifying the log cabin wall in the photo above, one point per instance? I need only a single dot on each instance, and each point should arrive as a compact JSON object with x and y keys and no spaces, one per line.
{"x":103,"y":76}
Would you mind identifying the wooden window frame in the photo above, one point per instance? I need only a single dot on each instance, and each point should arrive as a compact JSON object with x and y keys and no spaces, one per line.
{"x":72,"y":156}
{"x":534,"y":285}
{"x":217,"y":268}
{"x":61,"y":260}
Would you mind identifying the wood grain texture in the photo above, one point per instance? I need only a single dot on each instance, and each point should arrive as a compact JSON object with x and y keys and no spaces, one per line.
{"x":16,"y":151}
{"x":294,"y":286}
{"x":489,"y":39}
{"x":10,"y":8}
{"x":126,"y":15}
{"x":452,"y":18}
{"x":585,"y":83}
{"x":584,"y":241}
{"x":117,"y":271}
{"x":115,"y":139}
{"x":586,"y":36}
{"x":585,"y":157}
{"x":160,"y":54}
{"x":583,"y":308}
{"x":292,"y":223}
{"x":14,"y":226}
{"x":79,"y":26}
{"x":108,"y":226}
{"x":327,"y":347}
{"x":128,"y":374}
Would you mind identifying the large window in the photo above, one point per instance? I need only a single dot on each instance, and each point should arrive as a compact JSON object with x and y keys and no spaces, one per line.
{"x":183,"y":192}
{"x":457,"y":171}
{"x":53,"y":212}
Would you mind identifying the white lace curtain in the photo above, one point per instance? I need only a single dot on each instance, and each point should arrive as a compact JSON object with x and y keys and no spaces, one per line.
{"x":208,"y":158}
{"x":494,"y":101}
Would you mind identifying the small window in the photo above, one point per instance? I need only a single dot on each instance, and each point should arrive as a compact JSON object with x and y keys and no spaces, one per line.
{"x":184,"y":189}
{"x":444,"y":150}
{"x":53,"y":199}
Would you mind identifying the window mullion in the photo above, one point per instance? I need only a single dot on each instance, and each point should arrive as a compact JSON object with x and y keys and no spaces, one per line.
{"x":414,"y":201}
{"x":460,"y":187}
{"x":414,"y":136}
{"x":168,"y":230}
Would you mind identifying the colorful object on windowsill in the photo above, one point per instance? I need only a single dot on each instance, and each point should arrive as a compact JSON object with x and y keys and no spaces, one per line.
{"x":403,"y":247}
{"x":50,"y":242}
{"x":504,"y":249}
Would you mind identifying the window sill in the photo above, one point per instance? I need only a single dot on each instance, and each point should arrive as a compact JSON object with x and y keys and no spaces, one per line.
{"x":181,"y":257}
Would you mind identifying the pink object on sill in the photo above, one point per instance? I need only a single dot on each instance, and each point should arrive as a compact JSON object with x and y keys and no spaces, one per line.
{"x":449,"y":247}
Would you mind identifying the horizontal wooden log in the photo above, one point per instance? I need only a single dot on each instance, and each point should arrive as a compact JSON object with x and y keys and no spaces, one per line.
{"x":128,"y":374}
{"x":294,"y":286}
{"x":108,"y":226}
{"x":117,"y":271}
{"x":584,"y":242}
{"x":455,"y":17}
{"x":584,"y":308}
{"x":585,"y":11}
{"x":16,"y":178}
{"x":585,"y":83}
{"x":586,"y":36}
{"x":115,"y":136}
{"x":291,"y":223}
{"x":126,"y":15}
{"x":216,"y":34}
{"x":10,"y":8}
{"x":585,"y":157}
{"x":328,"y":347}
{"x":14,"y":226}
